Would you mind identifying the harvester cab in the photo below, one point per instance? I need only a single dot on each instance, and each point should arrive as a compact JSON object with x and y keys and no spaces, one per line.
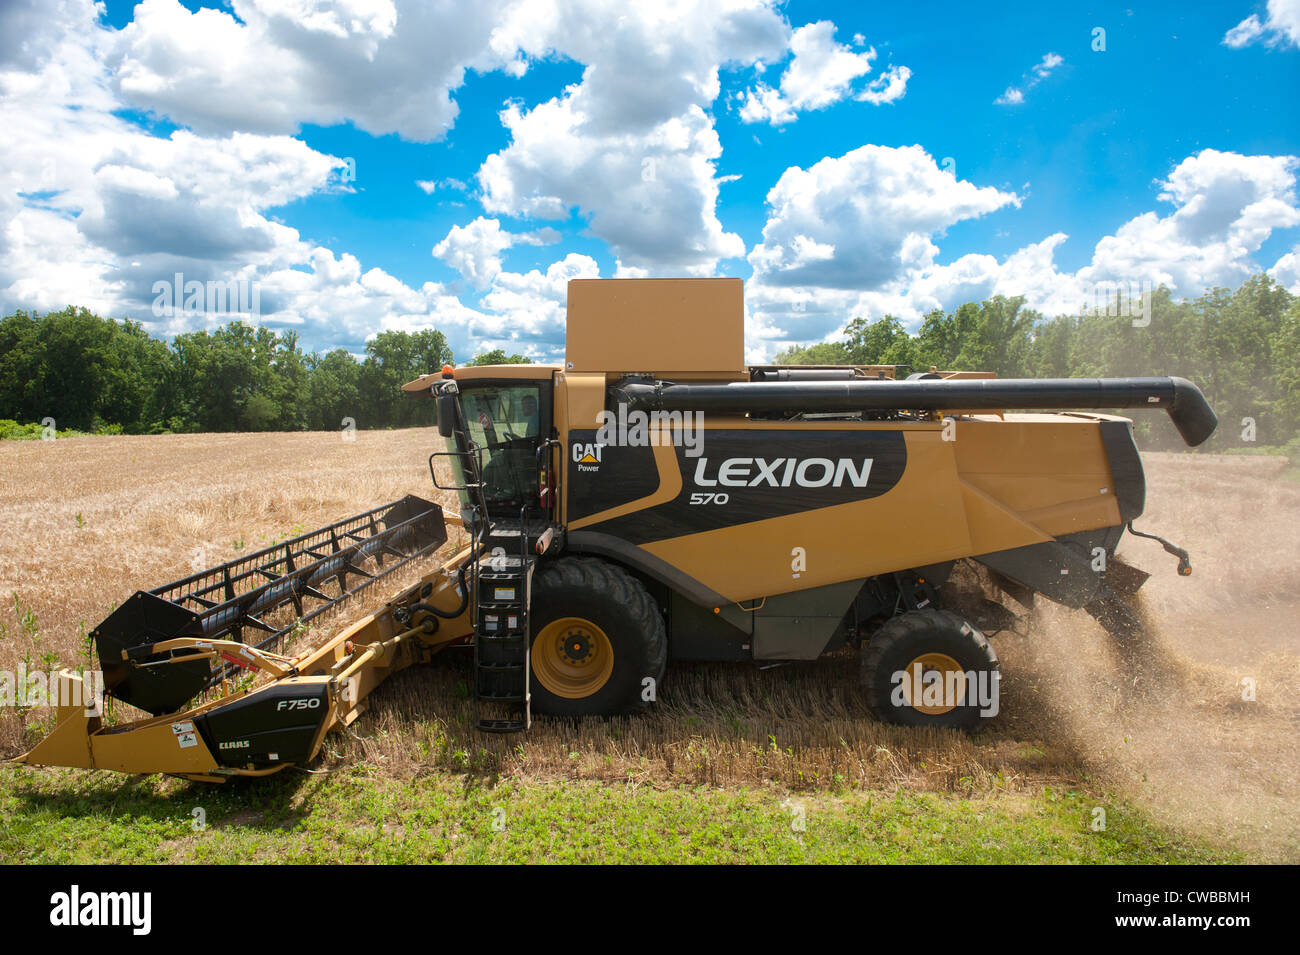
{"x":654,"y":497}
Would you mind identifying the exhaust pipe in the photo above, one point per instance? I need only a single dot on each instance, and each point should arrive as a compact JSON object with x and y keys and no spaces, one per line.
{"x":1187,"y":407}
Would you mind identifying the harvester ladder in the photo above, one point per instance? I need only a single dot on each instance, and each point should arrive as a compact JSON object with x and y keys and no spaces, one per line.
{"x":503,"y":585}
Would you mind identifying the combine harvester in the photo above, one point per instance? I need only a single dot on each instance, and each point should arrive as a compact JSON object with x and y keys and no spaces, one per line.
{"x":653,"y":499}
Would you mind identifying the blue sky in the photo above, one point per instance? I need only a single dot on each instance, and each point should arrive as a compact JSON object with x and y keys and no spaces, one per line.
{"x":844,"y":160}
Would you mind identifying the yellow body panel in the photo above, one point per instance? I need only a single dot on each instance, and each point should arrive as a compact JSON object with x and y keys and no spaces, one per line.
{"x":1002,"y":483}
{"x":682,"y":327}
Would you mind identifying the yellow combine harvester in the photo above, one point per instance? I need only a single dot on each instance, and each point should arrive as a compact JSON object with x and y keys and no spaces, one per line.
{"x":654,"y":498}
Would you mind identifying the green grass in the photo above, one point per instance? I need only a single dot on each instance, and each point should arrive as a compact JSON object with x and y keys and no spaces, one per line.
{"x":11,"y":430}
{"x":355,"y":814}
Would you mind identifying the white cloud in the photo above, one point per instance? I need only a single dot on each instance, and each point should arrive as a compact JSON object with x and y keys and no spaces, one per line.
{"x":94,"y":210}
{"x":1286,"y":271}
{"x":1244,"y":33}
{"x":268,"y":66}
{"x":651,"y":196}
{"x":887,"y":87}
{"x":528,"y":309}
{"x":1015,"y":95}
{"x":474,"y":250}
{"x":821,"y":73}
{"x":430,"y":186}
{"x":822,"y":70}
{"x":1280,"y":28}
{"x":1225,"y":206}
{"x":636,"y":158}
{"x":863,"y":220}
{"x":1048,"y":63}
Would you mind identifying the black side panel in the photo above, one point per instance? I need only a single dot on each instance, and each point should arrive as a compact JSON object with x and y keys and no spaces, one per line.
{"x":1061,"y":569}
{"x":1125,"y":468}
{"x":601,"y":477}
{"x":761,"y":474}
{"x":148,"y":619}
{"x":697,"y":633}
{"x":802,"y":624}
{"x":268,"y":728}
{"x":795,"y":626}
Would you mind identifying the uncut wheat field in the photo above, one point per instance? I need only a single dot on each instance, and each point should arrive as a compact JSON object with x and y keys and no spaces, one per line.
{"x":1214,"y":748}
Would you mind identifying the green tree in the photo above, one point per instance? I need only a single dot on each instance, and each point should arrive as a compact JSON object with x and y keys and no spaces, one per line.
{"x":882,"y":342}
{"x":334,"y":391}
{"x":823,"y":353}
{"x":392,"y":359}
{"x":497,"y":356}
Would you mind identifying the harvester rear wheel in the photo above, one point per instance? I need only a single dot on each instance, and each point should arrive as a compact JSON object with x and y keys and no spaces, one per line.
{"x":597,"y":636}
{"x":900,"y":662}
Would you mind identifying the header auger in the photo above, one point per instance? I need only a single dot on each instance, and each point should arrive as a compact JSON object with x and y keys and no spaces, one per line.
{"x":654,"y":498}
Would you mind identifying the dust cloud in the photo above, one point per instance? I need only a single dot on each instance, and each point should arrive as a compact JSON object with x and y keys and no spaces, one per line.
{"x":1196,"y":714}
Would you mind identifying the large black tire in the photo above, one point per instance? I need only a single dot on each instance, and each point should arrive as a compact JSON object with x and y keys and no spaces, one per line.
{"x":904,"y":639}
{"x":614,"y":604}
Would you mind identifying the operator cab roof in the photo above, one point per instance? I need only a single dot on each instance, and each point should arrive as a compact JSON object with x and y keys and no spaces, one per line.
{"x":479,"y":372}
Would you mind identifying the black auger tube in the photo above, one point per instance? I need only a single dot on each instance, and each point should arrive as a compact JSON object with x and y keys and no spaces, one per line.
{"x":1187,"y":407}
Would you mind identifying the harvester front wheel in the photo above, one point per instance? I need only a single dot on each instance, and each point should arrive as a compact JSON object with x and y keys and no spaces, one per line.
{"x":930,"y":668}
{"x":598,"y":636}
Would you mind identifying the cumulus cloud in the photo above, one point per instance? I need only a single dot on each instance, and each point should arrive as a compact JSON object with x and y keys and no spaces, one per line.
{"x":1280,"y":28}
{"x":1015,"y":95}
{"x":118,"y":206}
{"x":1286,"y":271}
{"x":528,"y":309}
{"x":95,"y":210}
{"x":636,"y":159}
{"x":475,"y":250}
{"x":269,"y":67}
{"x":1225,"y":206}
{"x":887,"y":87}
{"x":651,"y":196}
{"x":864,"y":219}
{"x":821,"y":73}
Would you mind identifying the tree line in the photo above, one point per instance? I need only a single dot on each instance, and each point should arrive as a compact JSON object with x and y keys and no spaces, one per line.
{"x":95,"y":374}
{"x":1242,"y":348}
{"x":90,"y":373}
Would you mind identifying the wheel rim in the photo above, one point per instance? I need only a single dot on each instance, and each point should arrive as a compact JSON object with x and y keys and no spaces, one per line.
{"x":952,"y":675}
{"x":572,"y":658}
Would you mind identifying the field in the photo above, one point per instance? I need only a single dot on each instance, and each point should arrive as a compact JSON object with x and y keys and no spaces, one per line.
{"x":735,"y":764}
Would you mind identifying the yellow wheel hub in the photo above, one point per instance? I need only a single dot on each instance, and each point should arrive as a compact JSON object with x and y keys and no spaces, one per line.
{"x":572,"y":658}
{"x":950,"y":686}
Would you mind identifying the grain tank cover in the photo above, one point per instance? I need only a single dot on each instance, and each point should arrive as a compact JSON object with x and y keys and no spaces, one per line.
{"x":667,"y":327}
